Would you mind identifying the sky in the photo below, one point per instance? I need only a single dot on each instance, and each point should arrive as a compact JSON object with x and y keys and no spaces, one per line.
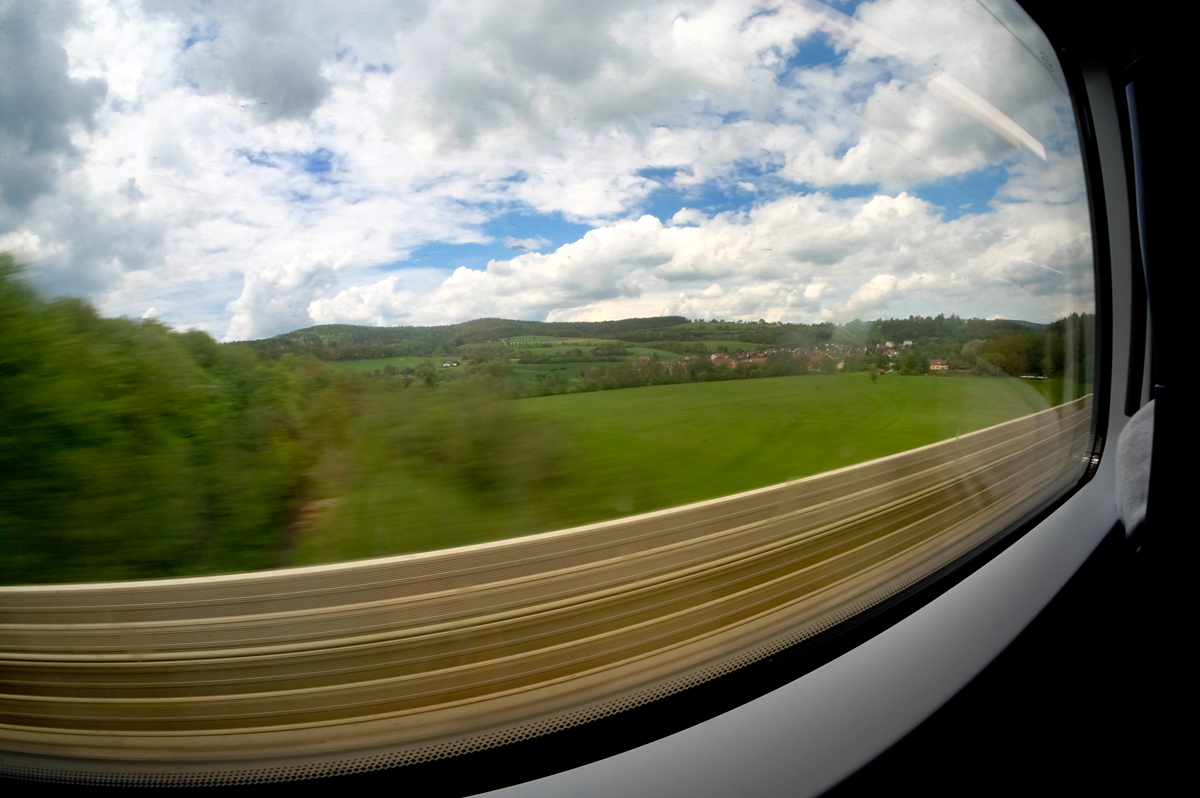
{"x":248,"y":169}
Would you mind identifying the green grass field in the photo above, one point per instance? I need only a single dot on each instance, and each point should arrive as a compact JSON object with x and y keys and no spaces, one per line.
{"x":529,"y":372}
{"x":525,"y":371}
{"x":378,"y":364}
{"x":612,"y":453}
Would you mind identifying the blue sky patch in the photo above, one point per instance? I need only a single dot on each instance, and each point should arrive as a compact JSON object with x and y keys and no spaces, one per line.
{"x":815,"y":50}
{"x":317,"y":162}
{"x":511,"y":224}
{"x":852,"y":190}
{"x":847,"y":7}
{"x":550,"y":226}
{"x":769,"y":180}
{"x":663,"y":174}
{"x":448,"y":257}
{"x":963,"y":194}
{"x":667,"y":201}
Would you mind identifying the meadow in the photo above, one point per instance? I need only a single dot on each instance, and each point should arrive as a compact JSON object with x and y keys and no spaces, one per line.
{"x":526,"y":372}
{"x":380,"y":363}
{"x":588,"y":457}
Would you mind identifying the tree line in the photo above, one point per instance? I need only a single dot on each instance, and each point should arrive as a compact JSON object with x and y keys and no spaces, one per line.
{"x":1061,"y":348}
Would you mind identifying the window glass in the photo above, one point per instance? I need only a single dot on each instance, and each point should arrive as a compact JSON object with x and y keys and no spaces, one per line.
{"x":362,"y":194}
{"x":677,"y":332}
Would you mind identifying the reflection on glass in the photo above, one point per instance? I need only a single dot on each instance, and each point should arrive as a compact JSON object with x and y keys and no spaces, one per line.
{"x":880,"y":214}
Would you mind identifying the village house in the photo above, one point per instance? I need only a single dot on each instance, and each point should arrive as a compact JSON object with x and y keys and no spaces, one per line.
{"x":449,"y":363}
{"x":938,"y":365}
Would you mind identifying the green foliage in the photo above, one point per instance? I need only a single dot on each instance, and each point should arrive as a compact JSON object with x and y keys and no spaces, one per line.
{"x":425,"y":469}
{"x":857,"y":363}
{"x":785,"y":364}
{"x":605,"y":353}
{"x":944,"y":328}
{"x":609,"y":350}
{"x":127,"y":450}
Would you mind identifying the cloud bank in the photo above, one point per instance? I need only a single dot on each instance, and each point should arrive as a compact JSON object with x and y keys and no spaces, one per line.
{"x":248,"y":169}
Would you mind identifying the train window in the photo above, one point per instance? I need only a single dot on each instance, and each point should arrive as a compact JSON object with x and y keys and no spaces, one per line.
{"x":435,"y":378}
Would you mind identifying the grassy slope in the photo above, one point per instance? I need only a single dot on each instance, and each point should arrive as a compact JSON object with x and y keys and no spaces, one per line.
{"x":378,"y":364}
{"x":641,"y":449}
{"x":526,"y":371}
{"x":710,"y":439}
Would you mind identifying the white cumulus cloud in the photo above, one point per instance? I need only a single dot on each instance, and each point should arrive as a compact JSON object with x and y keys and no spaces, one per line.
{"x":276,"y":299}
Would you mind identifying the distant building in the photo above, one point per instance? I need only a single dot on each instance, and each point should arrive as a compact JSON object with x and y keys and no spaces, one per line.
{"x":643,"y":358}
{"x":449,"y":363}
{"x":937,"y":365}
{"x":890,"y":344}
{"x":907,"y":342}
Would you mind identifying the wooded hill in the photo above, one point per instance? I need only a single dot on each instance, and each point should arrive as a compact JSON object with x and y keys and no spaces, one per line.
{"x":353,"y":342}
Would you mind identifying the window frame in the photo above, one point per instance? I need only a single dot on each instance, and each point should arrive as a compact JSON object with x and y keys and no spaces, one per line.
{"x":799,"y":717}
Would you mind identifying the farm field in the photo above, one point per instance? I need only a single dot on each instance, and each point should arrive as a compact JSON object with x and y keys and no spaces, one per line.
{"x":607,"y":454}
{"x":531,"y":372}
{"x":378,"y":364}
{"x":524,"y":371}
